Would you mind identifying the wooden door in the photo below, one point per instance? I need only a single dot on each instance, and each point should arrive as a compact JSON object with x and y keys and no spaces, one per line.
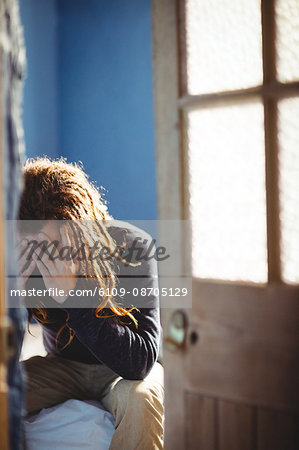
{"x":4,"y":327}
{"x":12,"y":58}
{"x":227,"y":148}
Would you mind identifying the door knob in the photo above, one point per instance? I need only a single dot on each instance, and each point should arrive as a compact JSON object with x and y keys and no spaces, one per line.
{"x":176,"y":331}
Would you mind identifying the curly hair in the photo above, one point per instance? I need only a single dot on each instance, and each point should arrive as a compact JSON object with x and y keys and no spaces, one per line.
{"x":58,"y":190}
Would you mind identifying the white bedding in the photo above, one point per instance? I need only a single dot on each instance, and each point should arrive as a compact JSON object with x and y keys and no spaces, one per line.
{"x":71,"y":425}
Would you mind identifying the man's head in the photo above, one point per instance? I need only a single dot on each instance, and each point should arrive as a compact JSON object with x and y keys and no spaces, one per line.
{"x":57,"y":190}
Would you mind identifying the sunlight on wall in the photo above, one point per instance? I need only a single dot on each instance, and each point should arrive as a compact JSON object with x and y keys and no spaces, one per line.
{"x":227,"y":192}
{"x":287,"y":19}
{"x":226,"y":144}
{"x":289,"y":187}
{"x":224,"y":44}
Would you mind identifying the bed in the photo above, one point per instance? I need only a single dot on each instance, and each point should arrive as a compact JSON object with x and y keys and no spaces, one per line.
{"x":70,"y":425}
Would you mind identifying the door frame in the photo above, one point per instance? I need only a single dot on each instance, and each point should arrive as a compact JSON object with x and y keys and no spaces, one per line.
{"x":4,"y":323}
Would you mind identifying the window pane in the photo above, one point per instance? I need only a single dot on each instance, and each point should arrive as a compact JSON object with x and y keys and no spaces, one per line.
{"x":287,"y":20}
{"x":289,"y":187}
{"x":227,"y":193}
{"x":224,"y":46}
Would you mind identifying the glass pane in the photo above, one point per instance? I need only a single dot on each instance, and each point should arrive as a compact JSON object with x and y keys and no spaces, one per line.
{"x":289,"y":187}
{"x":224,"y":45}
{"x":227,"y":193}
{"x":287,"y":21}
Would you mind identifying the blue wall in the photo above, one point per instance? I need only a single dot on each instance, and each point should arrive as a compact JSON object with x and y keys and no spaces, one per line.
{"x":103,"y":101}
{"x":40,"y":23}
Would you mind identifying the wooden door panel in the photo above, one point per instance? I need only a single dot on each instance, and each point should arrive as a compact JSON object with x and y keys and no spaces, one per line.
{"x":236,"y":385}
{"x":215,"y":424}
{"x":235,"y":426}
{"x":201,"y":422}
{"x":248,"y":344}
{"x":277,"y":430}
{"x":212,"y":424}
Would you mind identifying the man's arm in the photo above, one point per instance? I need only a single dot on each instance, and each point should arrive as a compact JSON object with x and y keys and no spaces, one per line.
{"x":128,"y":350}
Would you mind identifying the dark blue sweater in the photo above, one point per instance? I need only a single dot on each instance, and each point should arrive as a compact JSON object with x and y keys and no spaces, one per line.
{"x":127,"y":350}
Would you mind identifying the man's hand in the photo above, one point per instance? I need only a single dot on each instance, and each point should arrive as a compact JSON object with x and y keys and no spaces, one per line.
{"x":57,"y":273}
{"x":26,"y":265}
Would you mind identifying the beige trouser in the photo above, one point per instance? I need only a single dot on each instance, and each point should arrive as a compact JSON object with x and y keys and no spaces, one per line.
{"x":136,"y":405}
